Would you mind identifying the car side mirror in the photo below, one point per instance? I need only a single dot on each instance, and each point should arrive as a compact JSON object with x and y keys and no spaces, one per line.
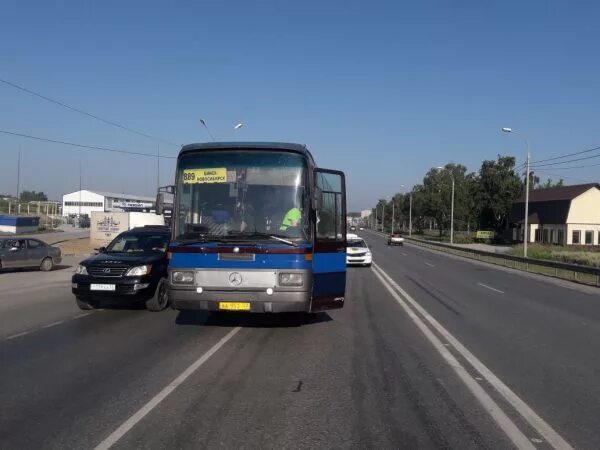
{"x":101,"y":249}
{"x":14,"y":249}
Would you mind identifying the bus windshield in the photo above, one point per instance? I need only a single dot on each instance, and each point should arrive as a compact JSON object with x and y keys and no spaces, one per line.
{"x":243,"y":194}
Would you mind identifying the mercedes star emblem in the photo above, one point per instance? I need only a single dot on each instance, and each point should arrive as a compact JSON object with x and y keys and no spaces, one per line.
{"x":235,"y":278}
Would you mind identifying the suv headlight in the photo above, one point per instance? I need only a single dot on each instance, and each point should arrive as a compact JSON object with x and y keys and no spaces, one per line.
{"x":138,"y":271}
{"x":81,"y":270}
{"x":290,"y":279}
{"x":368,"y":254}
{"x":182,"y":277}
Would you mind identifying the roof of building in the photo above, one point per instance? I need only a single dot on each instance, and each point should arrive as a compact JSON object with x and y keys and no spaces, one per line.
{"x":549,"y":206}
{"x":558,"y":193}
{"x":119,"y":195}
{"x":299,"y":148}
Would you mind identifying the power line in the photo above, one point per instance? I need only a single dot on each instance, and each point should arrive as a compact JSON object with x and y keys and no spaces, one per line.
{"x":566,"y":162}
{"x":77,"y":110}
{"x":567,"y":155}
{"x":90,"y":147}
{"x":574,"y":167}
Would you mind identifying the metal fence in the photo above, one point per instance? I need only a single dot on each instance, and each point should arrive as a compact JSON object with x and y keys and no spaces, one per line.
{"x":573,"y":272}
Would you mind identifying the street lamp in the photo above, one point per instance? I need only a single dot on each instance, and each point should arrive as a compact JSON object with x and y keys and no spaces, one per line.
{"x":526,"y":233}
{"x":394,"y":210}
{"x":451,"y":207}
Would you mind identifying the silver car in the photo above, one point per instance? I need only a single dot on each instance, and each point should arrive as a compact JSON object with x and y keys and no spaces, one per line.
{"x":26,"y":252}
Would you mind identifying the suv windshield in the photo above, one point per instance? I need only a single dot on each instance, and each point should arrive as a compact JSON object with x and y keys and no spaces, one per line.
{"x":134,"y":243}
{"x":250,"y":195}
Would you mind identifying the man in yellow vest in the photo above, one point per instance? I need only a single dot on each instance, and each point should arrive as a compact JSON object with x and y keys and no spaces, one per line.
{"x":292,"y":218}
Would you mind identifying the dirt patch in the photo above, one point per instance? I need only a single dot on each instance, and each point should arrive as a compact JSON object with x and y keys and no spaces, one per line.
{"x":75,"y":247}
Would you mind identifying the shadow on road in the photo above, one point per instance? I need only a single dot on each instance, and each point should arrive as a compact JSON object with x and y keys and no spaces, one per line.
{"x":246,"y":320}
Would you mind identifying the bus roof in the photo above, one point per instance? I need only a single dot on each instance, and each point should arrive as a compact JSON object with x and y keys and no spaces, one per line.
{"x":298,"y":148}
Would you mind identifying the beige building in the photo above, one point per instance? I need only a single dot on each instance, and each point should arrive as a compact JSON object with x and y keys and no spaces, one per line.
{"x":566,"y":215}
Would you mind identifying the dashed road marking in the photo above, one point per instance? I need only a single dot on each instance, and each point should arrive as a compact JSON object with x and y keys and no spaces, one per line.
{"x":429,"y":264}
{"x":490,"y":288}
{"x":48,"y":325}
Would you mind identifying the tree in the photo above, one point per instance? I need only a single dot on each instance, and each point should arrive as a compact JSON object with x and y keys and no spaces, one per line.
{"x":33,"y":196}
{"x":499,"y":186}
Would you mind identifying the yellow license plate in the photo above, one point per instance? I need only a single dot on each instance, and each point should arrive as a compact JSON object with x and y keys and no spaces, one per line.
{"x":235,"y":306}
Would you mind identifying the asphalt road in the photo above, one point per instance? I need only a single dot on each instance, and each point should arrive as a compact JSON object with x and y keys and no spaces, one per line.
{"x":376,"y":374}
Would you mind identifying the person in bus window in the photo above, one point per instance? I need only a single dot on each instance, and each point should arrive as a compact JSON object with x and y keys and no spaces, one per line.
{"x":293,"y":217}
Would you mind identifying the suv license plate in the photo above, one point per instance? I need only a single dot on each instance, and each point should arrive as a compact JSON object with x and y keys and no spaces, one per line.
{"x":102,"y":287}
{"x":234,"y":306}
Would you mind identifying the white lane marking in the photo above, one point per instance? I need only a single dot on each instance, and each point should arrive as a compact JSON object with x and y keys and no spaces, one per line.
{"x":155,"y":401}
{"x":48,"y":325}
{"x":490,"y":288}
{"x":543,"y":428}
{"x":404,"y":254}
{"x":429,"y":264}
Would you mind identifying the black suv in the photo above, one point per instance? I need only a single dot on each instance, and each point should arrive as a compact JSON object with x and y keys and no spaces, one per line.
{"x":133,"y":267}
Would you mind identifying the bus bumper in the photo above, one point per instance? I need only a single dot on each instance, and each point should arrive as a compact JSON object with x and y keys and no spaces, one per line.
{"x":260,"y":302}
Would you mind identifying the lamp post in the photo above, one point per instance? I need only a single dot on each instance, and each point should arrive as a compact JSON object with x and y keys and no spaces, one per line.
{"x":451,"y":206}
{"x":526,"y":232}
{"x":410,"y":215}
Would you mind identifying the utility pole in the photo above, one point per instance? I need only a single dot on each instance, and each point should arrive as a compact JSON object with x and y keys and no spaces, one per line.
{"x":526,"y":239}
{"x":157,"y":167}
{"x":79,"y":193}
{"x":375,"y":217}
{"x":19,"y":174}
{"x":410,"y":215}
{"x":393,"y":213}
{"x":452,"y":213}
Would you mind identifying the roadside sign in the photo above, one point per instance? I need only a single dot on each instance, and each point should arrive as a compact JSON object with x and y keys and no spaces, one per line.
{"x":483,"y":234}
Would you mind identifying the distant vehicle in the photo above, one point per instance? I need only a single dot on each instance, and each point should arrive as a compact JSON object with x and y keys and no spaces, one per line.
{"x":357,"y":251}
{"x":352,"y":228}
{"x":395,"y":239}
{"x":361,"y":228}
{"x":132,"y":268}
{"x":21,"y":253}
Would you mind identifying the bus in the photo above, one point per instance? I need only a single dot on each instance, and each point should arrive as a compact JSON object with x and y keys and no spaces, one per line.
{"x":256,"y":227}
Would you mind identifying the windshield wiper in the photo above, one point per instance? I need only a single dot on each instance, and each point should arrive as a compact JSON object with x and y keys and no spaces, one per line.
{"x":264,"y":235}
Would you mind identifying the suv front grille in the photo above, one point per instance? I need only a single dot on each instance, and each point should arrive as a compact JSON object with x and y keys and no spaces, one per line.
{"x":107,"y":271}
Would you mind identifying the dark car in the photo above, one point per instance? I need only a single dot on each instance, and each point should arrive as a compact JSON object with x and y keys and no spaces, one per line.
{"x":132,"y":268}
{"x":17,"y":253}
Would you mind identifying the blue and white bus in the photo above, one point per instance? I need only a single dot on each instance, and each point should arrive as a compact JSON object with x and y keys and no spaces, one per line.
{"x":257,"y":227}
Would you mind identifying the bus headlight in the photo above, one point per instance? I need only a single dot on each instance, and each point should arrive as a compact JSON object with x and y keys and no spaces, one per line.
{"x":290,"y":279}
{"x":182,"y":277}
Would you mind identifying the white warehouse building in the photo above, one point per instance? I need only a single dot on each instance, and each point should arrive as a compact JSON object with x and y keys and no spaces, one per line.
{"x":85,"y":202}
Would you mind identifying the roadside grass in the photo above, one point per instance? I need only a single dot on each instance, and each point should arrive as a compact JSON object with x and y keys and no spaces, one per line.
{"x":586,"y":256}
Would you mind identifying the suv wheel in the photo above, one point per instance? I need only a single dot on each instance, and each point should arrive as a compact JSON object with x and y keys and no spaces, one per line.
{"x":160,"y":299}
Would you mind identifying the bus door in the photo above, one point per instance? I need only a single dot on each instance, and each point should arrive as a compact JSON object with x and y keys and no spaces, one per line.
{"x":329,"y":251}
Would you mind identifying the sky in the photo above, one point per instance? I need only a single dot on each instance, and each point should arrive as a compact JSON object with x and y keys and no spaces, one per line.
{"x":381,"y":90}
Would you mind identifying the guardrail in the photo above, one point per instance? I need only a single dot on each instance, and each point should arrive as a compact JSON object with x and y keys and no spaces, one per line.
{"x":573,"y":272}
